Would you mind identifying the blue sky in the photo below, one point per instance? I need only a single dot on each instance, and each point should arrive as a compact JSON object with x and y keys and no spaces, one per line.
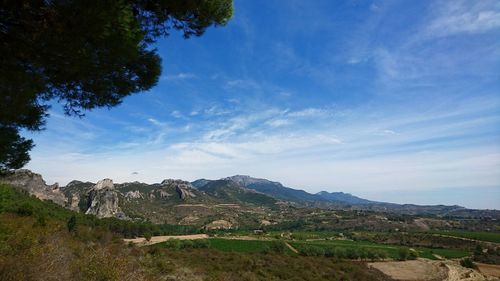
{"x":390,"y":100}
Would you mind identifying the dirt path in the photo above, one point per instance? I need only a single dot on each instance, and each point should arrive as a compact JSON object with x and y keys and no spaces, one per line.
{"x":489,"y":269}
{"x":291,"y":248}
{"x":158,"y":239}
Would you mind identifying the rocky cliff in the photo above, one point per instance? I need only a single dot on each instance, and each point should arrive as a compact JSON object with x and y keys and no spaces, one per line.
{"x":35,"y":185}
{"x":103,"y":200}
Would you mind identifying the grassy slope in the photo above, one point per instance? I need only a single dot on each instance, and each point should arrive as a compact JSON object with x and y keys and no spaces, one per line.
{"x":42,"y":249}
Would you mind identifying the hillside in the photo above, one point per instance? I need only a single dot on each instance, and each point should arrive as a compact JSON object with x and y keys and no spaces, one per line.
{"x":36,"y":243}
{"x":231,"y":192}
{"x":238,"y":202}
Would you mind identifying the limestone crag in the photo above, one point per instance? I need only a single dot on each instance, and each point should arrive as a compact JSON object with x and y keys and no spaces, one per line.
{"x":103,"y":200}
{"x":136,"y":194}
{"x":34,"y":184}
{"x":104,"y":183}
{"x":183,"y":188}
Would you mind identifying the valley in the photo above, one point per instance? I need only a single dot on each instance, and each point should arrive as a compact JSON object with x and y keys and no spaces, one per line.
{"x":246,"y":219}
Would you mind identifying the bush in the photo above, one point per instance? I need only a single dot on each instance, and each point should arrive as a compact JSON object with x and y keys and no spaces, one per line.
{"x":467,"y":262}
{"x":309,"y":250}
{"x":403,"y":253}
{"x":172,"y":244}
{"x":25,"y":209}
{"x":187,"y":244}
{"x":413,"y":255}
{"x":40,"y":220}
{"x":147,"y":236}
{"x":71,"y":224}
{"x":278,"y":246}
{"x":201,"y":243}
{"x":352,"y":254}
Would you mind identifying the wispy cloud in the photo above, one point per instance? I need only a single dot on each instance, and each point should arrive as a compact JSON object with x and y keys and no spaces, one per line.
{"x":469,"y":17}
{"x":178,"y":76}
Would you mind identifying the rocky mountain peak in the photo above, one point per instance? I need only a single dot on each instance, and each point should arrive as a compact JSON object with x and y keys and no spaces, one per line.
{"x":245,"y":180}
{"x":183,"y":188}
{"x":104,"y":183}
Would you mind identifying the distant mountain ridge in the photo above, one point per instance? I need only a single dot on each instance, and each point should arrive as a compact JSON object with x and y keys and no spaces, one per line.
{"x":231,"y":201}
{"x":278,"y":191}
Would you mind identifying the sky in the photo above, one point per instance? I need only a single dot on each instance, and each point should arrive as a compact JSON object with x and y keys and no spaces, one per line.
{"x":396,"y":101}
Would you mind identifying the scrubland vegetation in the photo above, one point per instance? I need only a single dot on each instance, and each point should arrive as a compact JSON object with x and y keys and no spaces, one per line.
{"x":43,"y":241}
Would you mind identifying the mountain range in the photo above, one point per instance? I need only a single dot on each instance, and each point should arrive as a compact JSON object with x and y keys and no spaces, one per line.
{"x":229,"y":202}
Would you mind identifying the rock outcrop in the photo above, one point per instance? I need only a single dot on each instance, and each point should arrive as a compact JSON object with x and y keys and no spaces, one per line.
{"x":219,"y":224}
{"x":183,"y":188}
{"x":103,"y":200}
{"x":134,"y":194}
{"x":34,"y":184}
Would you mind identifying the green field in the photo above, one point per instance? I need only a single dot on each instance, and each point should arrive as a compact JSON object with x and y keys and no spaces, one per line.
{"x":244,"y":246}
{"x":391,"y":250}
{"x":482,"y":236}
{"x":347,"y":246}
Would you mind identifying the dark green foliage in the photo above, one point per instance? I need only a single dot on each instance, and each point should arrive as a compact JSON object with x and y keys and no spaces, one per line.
{"x":467,"y":262}
{"x":25,"y":209}
{"x":18,"y":201}
{"x":403,"y":253}
{"x":41,"y":219}
{"x":278,"y":246}
{"x":13,"y":148}
{"x":201,"y":243}
{"x":488,"y":255}
{"x":147,"y":236}
{"x":71,"y":224}
{"x":83,"y":54}
{"x":310,"y":250}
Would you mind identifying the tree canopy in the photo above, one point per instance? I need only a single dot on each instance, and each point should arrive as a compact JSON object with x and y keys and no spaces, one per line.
{"x":83,"y":54}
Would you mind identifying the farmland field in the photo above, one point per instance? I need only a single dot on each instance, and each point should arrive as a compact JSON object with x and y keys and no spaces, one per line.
{"x":244,"y":246}
{"x":482,"y":236}
{"x":392,"y":251}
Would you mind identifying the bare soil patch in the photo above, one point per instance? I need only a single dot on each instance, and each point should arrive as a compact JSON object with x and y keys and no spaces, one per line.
{"x":414,"y":270}
{"x":141,"y":241}
{"x":489,"y":269}
{"x":428,"y":270}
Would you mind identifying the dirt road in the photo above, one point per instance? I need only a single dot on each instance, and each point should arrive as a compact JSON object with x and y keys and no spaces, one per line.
{"x":158,"y":239}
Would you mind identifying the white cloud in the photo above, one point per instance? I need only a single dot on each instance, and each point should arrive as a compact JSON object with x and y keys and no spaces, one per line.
{"x":454,"y":17}
{"x":278,"y":122}
{"x":176,"y":114}
{"x":178,"y":76}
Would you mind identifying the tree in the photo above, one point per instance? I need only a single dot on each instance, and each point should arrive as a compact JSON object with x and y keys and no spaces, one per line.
{"x":84,"y":55}
{"x":71,"y":224}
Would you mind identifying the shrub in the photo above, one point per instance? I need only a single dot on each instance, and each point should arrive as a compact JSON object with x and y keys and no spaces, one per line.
{"x":352,"y":254}
{"x":413,"y":255}
{"x":403,"y":253}
{"x":71,"y":224}
{"x":278,"y":246}
{"x":201,"y":243}
{"x":172,"y":244}
{"x":147,"y":236}
{"x":40,"y":220}
{"x":187,"y":244}
{"x":309,"y":250}
{"x":25,"y":209}
{"x":467,"y":262}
